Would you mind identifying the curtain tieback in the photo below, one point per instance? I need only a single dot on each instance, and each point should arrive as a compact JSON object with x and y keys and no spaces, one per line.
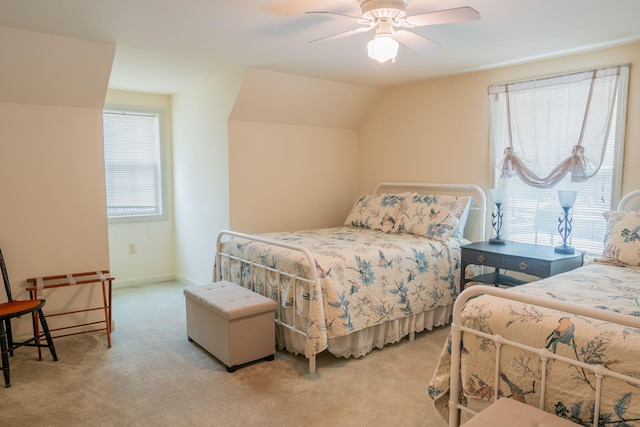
{"x":578,"y":164}
{"x":508,"y":164}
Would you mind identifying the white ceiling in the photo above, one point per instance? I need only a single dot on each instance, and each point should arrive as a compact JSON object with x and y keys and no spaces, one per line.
{"x":162,"y":45}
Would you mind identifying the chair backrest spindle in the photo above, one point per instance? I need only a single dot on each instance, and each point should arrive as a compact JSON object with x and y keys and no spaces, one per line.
{"x":5,"y":277}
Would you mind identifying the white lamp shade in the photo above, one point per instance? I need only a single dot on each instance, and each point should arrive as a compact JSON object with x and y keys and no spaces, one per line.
{"x":498,"y":195}
{"x":382,"y":48}
{"x":567,"y":198}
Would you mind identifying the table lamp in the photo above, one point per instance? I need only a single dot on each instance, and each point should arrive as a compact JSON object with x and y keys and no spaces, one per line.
{"x":567,"y":198}
{"x":498,"y":195}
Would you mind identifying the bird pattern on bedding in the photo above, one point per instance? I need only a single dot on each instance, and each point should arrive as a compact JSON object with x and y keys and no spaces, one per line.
{"x":569,"y":387}
{"x":367,"y":276}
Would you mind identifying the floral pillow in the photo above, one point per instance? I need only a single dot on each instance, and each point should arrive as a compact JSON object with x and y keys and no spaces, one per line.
{"x":435,"y":217}
{"x":622,"y":238}
{"x":376,"y":211}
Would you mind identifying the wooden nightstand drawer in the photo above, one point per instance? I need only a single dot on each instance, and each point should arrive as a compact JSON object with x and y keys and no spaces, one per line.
{"x":527,"y":266}
{"x":481,"y":258}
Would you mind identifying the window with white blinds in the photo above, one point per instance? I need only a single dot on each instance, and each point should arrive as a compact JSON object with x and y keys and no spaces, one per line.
{"x":132,"y":157}
{"x":531,"y":214}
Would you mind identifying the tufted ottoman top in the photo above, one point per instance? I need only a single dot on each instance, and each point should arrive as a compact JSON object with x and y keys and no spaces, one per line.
{"x":509,"y":413}
{"x":229,"y":300}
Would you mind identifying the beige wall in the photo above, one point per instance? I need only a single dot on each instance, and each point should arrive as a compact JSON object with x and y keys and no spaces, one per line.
{"x":53,"y":218}
{"x":438,"y":130}
{"x":274,"y":97}
{"x":293,"y":150}
{"x":201,"y":171}
{"x":154,"y":258}
{"x":286,"y":177}
{"x":43,"y":69}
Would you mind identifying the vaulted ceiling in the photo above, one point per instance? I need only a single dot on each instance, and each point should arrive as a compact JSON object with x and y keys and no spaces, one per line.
{"x":162,"y":45}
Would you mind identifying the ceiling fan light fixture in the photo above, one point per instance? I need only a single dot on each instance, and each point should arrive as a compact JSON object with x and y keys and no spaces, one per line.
{"x":393,"y":26}
{"x":383,"y":48}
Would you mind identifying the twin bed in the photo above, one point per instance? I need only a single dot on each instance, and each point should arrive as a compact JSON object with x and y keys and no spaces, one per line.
{"x":390,"y":271}
{"x":568,"y":344}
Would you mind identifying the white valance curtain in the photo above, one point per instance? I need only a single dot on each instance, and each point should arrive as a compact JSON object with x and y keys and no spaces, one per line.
{"x":571,"y":112}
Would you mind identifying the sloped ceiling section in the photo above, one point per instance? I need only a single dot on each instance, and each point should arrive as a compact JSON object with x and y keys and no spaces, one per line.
{"x":273,"y":97}
{"x":42,"y":69}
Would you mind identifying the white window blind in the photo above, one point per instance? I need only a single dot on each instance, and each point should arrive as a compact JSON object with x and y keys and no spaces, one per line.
{"x":132,"y":155}
{"x":531,"y":214}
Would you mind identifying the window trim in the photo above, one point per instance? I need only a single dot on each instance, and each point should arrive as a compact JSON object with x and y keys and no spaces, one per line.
{"x":620,"y":132}
{"x":618,"y":157}
{"x":163,"y":193}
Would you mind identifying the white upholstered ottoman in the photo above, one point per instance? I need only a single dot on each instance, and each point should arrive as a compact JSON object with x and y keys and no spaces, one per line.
{"x":234,"y":324}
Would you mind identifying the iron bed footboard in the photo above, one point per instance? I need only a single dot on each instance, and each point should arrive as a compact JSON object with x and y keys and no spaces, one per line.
{"x":312,"y":280}
{"x":457,"y":329}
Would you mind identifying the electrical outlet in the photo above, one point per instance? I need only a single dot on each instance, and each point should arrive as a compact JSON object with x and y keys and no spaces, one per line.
{"x":132,"y":248}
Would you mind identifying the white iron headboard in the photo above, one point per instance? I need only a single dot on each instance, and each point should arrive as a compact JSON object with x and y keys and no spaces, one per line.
{"x":630,"y":202}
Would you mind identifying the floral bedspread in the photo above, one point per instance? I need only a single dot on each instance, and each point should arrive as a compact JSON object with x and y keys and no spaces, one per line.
{"x":367,"y":276}
{"x":569,"y":388}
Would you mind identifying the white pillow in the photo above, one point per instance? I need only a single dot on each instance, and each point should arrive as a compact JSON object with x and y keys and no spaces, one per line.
{"x":458,"y":233}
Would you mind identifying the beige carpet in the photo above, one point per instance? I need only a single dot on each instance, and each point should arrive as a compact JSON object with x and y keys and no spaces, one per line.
{"x":153,"y":376}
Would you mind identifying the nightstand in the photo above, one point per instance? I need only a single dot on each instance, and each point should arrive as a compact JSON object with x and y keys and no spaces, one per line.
{"x":534,"y":260}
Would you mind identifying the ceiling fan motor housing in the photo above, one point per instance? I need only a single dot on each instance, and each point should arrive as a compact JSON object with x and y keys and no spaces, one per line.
{"x":384,"y":9}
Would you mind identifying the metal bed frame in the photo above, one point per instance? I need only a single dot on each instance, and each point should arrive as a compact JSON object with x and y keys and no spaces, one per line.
{"x":630,"y":202}
{"x":475,"y":229}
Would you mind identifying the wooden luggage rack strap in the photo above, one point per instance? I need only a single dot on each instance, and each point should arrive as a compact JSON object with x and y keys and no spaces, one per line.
{"x":38,"y":284}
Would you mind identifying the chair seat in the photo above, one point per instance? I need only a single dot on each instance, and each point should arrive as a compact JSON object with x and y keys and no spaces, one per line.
{"x":18,"y":308}
{"x":11,"y":309}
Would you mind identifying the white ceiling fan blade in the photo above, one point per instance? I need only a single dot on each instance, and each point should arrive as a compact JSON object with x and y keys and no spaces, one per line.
{"x":447,"y":16}
{"x":415,"y":42}
{"x":344,"y":34}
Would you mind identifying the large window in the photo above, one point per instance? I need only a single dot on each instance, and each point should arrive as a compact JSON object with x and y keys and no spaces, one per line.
{"x":132,"y":156}
{"x":564,"y":135}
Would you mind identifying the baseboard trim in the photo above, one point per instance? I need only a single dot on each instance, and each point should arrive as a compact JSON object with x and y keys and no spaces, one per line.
{"x":143,"y":280}
{"x":153,"y":279}
{"x":186,"y":281}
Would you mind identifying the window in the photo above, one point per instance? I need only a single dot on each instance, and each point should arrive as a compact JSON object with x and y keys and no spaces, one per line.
{"x":132,"y":157}
{"x":544,"y":125}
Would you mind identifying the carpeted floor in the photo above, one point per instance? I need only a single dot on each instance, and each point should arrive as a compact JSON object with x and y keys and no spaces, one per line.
{"x":153,"y":376}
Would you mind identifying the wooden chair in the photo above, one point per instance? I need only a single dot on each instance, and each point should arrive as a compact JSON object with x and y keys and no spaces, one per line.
{"x":14,"y":308}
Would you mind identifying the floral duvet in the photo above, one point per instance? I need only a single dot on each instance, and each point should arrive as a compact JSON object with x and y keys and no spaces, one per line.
{"x":367,"y":277}
{"x":569,"y":388}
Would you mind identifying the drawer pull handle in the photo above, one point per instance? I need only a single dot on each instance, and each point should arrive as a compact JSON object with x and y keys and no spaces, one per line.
{"x":482,"y":258}
{"x":523,"y":265}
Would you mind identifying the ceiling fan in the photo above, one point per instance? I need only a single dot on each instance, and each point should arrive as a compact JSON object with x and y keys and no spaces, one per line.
{"x":392,"y":26}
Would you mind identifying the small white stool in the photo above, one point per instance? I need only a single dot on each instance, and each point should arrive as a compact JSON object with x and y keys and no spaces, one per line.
{"x":233,"y":323}
{"x":509,"y":413}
